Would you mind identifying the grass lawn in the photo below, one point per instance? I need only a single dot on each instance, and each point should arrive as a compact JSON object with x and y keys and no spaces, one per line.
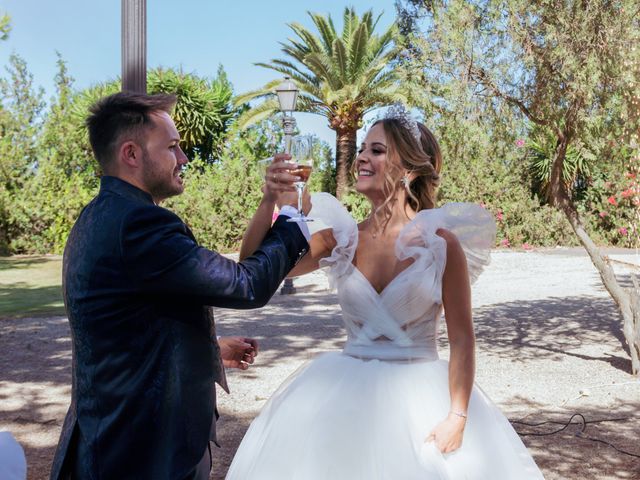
{"x":31,"y":286}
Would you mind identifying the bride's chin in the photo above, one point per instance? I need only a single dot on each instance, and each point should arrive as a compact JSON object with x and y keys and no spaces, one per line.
{"x":368,"y":191}
{"x":362,"y":190}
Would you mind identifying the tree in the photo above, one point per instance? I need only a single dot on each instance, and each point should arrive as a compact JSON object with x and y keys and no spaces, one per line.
{"x":59,"y":174}
{"x":561,"y":64}
{"x":5,"y":26}
{"x":203,"y":112}
{"x":21,"y":106}
{"x":65,"y":176}
{"x":340,"y":76}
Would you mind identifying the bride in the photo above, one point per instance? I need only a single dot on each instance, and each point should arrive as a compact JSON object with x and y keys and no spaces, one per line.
{"x":386,"y":407}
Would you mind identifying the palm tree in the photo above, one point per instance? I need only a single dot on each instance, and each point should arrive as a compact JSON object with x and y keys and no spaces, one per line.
{"x":341,"y":77}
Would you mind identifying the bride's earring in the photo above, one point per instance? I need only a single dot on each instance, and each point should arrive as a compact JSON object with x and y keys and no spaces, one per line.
{"x":405,"y":181}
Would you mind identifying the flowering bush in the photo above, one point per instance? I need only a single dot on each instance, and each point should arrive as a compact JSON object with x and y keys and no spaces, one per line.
{"x":521,"y":220}
{"x":616,"y":211}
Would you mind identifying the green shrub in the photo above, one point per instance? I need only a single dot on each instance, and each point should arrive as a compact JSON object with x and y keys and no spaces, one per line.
{"x":219,"y":200}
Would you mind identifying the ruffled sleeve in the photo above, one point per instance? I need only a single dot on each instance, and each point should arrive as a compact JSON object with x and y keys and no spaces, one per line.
{"x":470,"y":223}
{"x":328,"y":212}
{"x":476,"y":231}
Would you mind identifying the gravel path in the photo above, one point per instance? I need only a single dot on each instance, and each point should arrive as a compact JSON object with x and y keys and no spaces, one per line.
{"x":549,"y":345}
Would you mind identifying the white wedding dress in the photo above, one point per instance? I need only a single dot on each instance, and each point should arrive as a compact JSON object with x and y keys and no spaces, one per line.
{"x":363,"y":413}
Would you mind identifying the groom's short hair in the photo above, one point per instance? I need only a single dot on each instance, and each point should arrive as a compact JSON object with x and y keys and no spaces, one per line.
{"x":122,"y":116}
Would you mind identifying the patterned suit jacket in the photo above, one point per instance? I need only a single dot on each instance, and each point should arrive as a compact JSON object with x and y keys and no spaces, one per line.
{"x":138,"y":291}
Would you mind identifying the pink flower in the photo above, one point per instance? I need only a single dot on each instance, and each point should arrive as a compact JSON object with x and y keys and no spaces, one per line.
{"x":483,"y":205}
{"x":505,"y":242}
{"x":627,"y":193}
{"x":623,"y":231}
{"x":603,"y":214}
{"x":527,"y":246}
{"x":520,"y":143}
{"x":499,"y":215}
{"x":630,"y":175}
{"x":612,"y":201}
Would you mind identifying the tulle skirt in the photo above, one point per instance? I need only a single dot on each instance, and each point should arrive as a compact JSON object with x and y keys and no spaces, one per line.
{"x":340,"y":417}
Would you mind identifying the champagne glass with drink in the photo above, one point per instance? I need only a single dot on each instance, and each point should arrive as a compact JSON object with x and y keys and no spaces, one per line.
{"x":302,"y":154}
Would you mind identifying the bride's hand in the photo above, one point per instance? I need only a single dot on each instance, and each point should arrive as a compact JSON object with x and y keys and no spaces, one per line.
{"x":447,"y":435}
{"x":277,"y":178}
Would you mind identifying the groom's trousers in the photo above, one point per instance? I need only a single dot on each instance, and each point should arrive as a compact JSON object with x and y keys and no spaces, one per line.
{"x":203,"y":470}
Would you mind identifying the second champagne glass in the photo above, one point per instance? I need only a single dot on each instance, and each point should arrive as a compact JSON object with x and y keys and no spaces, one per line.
{"x":302,"y":154}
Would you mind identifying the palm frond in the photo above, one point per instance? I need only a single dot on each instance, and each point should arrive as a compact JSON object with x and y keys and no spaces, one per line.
{"x":332,"y":26}
{"x":263,"y":92}
{"x":375,"y":22}
{"x":379,"y":44}
{"x":310,"y":104}
{"x":295,"y":50}
{"x":307,"y":37}
{"x":367,"y":18}
{"x":340,"y":59}
{"x":350,"y":23}
{"x":358,"y":50}
{"x":258,"y":113}
{"x":300,"y":76}
{"x":326,"y":29}
{"x":383,"y":98}
{"x":376,"y":78}
{"x":321,"y":66}
{"x":296,"y":75}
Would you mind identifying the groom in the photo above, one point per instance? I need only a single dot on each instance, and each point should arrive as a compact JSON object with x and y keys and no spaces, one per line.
{"x":137,"y":290}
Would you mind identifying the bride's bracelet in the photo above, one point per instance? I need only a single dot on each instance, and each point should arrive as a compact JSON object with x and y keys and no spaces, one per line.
{"x":459,"y":414}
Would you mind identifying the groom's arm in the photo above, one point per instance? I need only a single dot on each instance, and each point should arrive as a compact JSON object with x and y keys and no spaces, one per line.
{"x":160,"y":253}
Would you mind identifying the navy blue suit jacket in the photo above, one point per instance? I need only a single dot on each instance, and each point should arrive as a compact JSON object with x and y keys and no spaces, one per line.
{"x":138,"y":290}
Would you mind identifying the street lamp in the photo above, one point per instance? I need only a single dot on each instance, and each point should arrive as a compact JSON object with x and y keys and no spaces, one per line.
{"x":287,"y":93}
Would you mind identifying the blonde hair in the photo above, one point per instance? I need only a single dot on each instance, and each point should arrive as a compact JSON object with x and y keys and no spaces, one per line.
{"x":404,"y":154}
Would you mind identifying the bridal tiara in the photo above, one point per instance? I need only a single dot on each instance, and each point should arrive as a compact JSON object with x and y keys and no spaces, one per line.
{"x":397,"y":111}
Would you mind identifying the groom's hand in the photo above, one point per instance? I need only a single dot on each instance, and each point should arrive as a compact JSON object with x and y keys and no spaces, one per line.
{"x":238,"y":352}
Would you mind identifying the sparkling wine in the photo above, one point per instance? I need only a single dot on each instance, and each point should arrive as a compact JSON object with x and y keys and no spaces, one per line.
{"x":303,"y":171}
{"x":302,"y":154}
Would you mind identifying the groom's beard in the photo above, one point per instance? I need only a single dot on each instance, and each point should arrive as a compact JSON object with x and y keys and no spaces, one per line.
{"x":161,"y":183}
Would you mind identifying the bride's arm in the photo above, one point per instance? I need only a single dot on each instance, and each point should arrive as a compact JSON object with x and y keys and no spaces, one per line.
{"x":320,"y":246}
{"x":277,"y":181}
{"x":456,"y":298}
{"x":321,"y":243}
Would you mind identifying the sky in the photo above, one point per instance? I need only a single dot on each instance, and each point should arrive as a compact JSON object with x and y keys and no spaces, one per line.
{"x":194,"y":35}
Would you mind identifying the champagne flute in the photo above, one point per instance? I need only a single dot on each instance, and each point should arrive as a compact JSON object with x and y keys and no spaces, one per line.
{"x":262,"y":166}
{"x":302,"y":154}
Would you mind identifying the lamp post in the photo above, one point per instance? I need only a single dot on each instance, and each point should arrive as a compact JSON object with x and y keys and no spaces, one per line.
{"x":134,"y":45}
{"x":287,"y":93}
